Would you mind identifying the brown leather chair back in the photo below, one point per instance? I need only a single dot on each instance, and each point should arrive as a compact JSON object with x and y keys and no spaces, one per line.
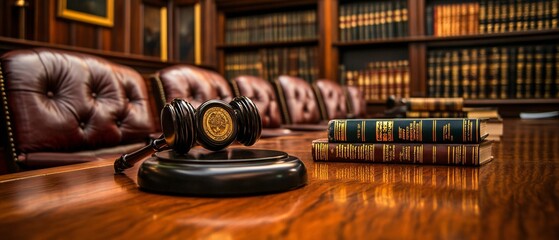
{"x":297,"y":100}
{"x":57,"y":101}
{"x":356,"y":102}
{"x":194,"y":84}
{"x":331,"y":98}
{"x":262,"y":94}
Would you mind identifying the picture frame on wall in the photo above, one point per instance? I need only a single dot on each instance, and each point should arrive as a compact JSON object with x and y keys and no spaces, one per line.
{"x":154,"y":31}
{"x":97,"y":12}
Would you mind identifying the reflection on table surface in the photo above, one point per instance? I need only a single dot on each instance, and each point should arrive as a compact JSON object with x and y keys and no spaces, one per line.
{"x":514,"y":196}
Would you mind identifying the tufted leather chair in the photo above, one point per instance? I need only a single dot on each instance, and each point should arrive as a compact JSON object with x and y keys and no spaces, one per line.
{"x":194,"y":84}
{"x":297,"y":100}
{"x":262,"y":93}
{"x":356,"y":102}
{"x":61,"y":108}
{"x":331,"y":98}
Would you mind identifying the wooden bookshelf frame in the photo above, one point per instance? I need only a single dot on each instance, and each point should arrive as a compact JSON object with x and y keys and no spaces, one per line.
{"x":417,"y":44}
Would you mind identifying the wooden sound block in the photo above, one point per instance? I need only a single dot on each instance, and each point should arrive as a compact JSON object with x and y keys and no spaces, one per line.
{"x":229,"y":172}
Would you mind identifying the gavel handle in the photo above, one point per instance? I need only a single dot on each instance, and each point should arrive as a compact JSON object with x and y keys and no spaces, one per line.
{"x":128,"y":160}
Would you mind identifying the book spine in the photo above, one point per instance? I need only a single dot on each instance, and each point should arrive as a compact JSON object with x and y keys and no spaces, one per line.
{"x":418,"y":153}
{"x":438,"y":74}
{"x":538,"y":72}
{"x":482,"y":86}
{"x":429,"y":20}
{"x":446,"y":75}
{"x":474,"y":76}
{"x":434,"y":104}
{"x":504,"y":78}
{"x":520,"y":72}
{"x":465,"y":76}
{"x":405,"y":130}
{"x":431,"y":74}
{"x":437,"y":114}
{"x":455,"y":77}
{"x":404,"y":13}
{"x":483,"y":16}
{"x":529,"y":81}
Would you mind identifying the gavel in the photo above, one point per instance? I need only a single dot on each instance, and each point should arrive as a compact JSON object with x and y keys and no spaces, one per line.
{"x":214,"y":125}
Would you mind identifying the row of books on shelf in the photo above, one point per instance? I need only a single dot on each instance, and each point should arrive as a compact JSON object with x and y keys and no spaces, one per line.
{"x":373,"y":20}
{"x":488,"y":16}
{"x":452,"y":19}
{"x":271,"y":63}
{"x":452,"y":141}
{"x":380,"y":79}
{"x":519,"y":15}
{"x":285,"y":26}
{"x":495,"y":72}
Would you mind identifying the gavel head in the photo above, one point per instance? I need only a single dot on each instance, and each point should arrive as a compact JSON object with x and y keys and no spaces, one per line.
{"x":214,"y":125}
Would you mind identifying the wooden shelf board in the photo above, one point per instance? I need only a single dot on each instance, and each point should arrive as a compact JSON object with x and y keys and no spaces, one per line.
{"x":305,"y":42}
{"x":435,"y":40}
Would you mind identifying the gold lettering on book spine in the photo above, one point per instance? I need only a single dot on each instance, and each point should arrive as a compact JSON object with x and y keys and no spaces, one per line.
{"x":384,"y":131}
{"x":340,"y":130}
{"x":388,"y":152}
{"x":320,"y":151}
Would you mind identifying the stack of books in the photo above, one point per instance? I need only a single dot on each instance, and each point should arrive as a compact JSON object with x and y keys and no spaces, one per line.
{"x":446,"y":108}
{"x":457,"y":141}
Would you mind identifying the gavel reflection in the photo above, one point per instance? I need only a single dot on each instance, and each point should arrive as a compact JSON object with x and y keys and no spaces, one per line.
{"x":214,"y":125}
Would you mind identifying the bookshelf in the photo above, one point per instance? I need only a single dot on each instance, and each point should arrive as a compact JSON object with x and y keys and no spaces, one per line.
{"x":413,"y":41}
{"x":266,"y":40}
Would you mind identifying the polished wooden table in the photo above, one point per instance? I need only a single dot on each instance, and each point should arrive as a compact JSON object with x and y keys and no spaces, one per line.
{"x":516,"y":196}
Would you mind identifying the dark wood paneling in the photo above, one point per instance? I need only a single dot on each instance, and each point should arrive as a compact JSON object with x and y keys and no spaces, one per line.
{"x":125,"y":36}
{"x":143,"y":64}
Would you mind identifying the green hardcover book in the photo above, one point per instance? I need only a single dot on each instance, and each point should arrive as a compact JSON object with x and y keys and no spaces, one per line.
{"x":490,"y":27}
{"x":431,"y":74}
{"x":493,"y":75}
{"x":465,"y":76}
{"x":482,"y":73}
{"x":343,"y":23}
{"x":404,"y":13}
{"x":438,"y":74}
{"x":530,"y":73}
{"x":473,"y":154}
{"x":397,"y":19}
{"x":455,"y":77}
{"x":538,"y":72}
{"x":540,"y":15}
{"x":512,"y":16}
{"x":520,"y":72}
{"x":483,"y":16}
{"x":519,"y":15}
{"x":446,"y":74}
{"x":503,"y":17}
{"x":383,"y":20}
{"x":474,"y":74}
{"x":532,"y":16}
{"x":512,"y":72}
{"x":554,"y":13}
{"x":555,"y":70}
{"x":504,"y":73}
{"x":450,"y":130}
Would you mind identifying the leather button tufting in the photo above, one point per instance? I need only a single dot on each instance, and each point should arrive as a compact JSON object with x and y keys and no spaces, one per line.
{"x":50,"y":94}
{"x":94,"y":95}
{"x":118,"y":123}
{"x":82,"y":125}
